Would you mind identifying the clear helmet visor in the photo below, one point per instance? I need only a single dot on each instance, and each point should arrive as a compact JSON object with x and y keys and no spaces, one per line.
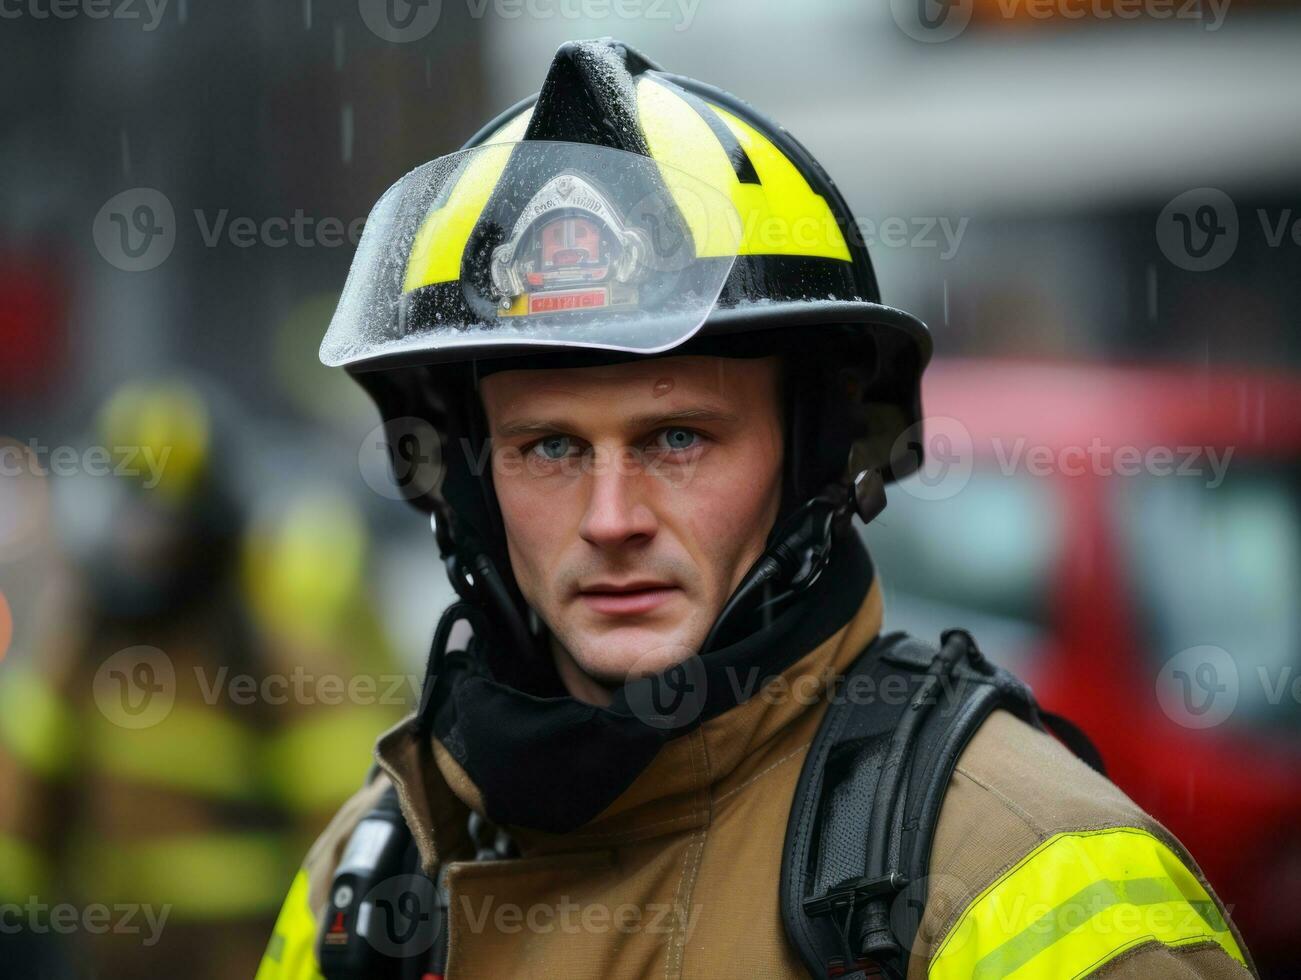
{"x":535,"y":243}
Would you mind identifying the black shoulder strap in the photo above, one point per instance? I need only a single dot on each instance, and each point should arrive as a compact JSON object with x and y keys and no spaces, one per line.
{"x":858,"y":843}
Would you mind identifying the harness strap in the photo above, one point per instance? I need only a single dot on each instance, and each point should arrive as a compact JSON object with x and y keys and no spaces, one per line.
{"x":858,"y":842}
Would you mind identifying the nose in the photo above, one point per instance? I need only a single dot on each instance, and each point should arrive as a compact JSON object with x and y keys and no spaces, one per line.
{"x":617,"y":512}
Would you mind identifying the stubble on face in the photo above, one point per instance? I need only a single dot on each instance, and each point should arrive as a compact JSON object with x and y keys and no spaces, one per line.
{"x":634,"y":497}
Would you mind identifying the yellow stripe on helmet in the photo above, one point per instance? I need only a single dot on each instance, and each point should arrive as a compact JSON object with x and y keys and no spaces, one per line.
{"x":781,"y":215}
{"x":441,"y":240}
{"x":1077,"y":901}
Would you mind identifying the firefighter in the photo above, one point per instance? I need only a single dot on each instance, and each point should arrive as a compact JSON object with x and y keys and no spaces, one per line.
{"x":144,"y":768}
{"x":144,"y":789}
{"x":633,"y":362}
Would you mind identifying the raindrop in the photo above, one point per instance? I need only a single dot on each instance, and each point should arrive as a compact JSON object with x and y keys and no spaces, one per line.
{"x":662,"y":387}
{"x":307,"y":14}
{"x":1151,"y":291}
{"x":125,"y":147}
{"x":183,"y":11}
{"x":340,"y":51}
{"x":946,"y":302}
{"x":346,"y":132}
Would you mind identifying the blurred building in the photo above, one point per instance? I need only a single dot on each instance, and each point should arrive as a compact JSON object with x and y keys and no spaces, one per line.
{"x":1020,"y":174}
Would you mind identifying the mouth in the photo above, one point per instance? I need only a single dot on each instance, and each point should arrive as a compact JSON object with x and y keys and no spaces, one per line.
{"x":626,"y":598}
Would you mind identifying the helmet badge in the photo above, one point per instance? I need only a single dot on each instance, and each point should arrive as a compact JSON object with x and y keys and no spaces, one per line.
{"x":569,"y":250}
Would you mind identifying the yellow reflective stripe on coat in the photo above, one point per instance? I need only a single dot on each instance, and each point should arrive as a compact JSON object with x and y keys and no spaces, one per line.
{"x":36,"y":726}
{"x":291,"y":953}
{"x":1077,"y":901}
{"x":194,"y":750}
{"x":201,"y":877}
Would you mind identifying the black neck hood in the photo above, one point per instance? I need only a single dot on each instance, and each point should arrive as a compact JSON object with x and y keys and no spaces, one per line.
{"x":553,"y":763}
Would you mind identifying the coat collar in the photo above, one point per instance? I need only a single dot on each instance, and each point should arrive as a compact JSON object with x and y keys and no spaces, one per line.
{"x":771,"y":714}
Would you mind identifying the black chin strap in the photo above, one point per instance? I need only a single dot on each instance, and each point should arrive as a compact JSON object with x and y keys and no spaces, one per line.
{"x":800,"y":549}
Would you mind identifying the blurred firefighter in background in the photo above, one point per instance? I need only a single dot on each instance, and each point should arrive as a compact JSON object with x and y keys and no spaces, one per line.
{"x":185,"y":724}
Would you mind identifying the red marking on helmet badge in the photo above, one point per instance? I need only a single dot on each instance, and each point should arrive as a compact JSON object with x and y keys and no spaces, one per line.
{"x":558,"y":301}
{"x":567,"y":239}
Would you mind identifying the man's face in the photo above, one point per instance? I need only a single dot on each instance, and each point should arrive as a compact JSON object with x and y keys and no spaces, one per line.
{"x":635,"y":497}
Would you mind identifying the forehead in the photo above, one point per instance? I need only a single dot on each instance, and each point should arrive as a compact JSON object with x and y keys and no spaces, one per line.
{"x":722,"y":382}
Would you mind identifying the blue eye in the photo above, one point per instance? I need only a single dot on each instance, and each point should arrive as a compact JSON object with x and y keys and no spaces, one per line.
{"x":552,"y":447}
{"x":678,"y":440}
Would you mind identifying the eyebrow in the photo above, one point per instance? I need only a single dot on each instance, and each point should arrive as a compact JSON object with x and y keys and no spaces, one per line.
{"x":524,"y":427}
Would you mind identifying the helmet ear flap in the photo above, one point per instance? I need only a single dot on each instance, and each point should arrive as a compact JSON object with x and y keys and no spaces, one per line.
{"x":824,"y":390}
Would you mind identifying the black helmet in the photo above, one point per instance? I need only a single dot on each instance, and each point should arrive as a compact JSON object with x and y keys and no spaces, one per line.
{"x":622,"y":212}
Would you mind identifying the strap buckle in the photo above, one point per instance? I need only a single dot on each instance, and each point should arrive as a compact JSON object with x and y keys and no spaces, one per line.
{"x":850,"y":894}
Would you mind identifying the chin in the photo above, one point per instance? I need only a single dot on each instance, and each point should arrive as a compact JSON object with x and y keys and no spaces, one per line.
{"x":621,"y":653}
